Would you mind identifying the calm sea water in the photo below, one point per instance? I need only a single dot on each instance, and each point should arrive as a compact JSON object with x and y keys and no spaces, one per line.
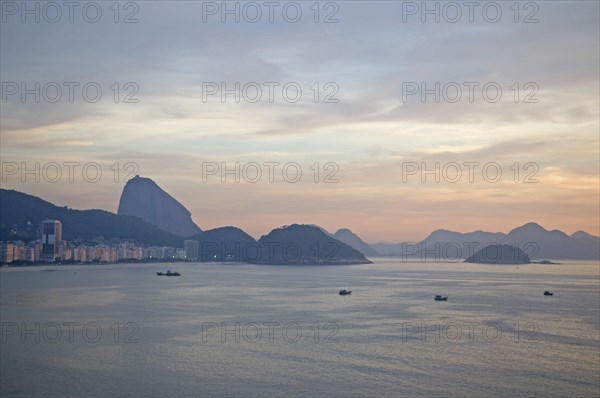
{"x":264,"y":331}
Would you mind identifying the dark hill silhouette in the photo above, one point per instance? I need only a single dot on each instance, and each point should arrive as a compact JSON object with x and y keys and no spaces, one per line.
{"x":305,"y":244}
{"x":585,"y":237}
{"x":353,"y":240}
{"x":21,"y":216}
{"x":226,"y":244}
{"x":552,"y":244}
{"x":499,"y":254}
{"x":143,"y":198}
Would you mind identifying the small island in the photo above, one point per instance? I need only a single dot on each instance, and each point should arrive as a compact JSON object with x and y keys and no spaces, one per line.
{"x":499,"y":254}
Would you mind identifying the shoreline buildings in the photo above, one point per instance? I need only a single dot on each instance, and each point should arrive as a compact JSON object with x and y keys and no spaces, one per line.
{"x":52,"y":248}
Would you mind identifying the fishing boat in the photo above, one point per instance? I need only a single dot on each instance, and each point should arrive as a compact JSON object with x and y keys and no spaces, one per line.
{"x":168,"y":273}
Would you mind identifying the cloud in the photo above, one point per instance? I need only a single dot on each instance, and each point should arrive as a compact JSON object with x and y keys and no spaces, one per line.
{"x":368,"y":55}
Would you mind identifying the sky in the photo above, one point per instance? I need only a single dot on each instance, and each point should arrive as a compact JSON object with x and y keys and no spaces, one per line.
{"x":486,"y":118}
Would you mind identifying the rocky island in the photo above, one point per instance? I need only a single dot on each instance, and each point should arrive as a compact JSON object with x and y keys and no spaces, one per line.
{"x":499,"y":254}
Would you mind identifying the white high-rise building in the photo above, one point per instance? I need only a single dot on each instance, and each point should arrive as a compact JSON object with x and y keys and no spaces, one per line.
{"x":191,"y":249}
{"x":51,"y":237}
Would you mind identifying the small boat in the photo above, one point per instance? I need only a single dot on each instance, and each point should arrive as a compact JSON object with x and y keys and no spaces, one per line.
{"x":345,"y":292}
{"x":548,"y":293}
{"x":439,"y":297}
{"x":168,"y":273}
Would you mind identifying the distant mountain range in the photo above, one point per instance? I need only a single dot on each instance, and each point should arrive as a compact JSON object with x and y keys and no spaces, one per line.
{"x":535,"y":240}
{"x":148,"y":214}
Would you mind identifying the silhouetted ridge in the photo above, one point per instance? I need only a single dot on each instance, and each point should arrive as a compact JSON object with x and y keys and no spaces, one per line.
{"x":143,"y":198}
{"x":353,"y":240}
{"x":305,"y":244}
{"x":226,"y":244}
{"x":499,"y":254}
{"x":21,"y":216}
{"x":537,"y":241}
